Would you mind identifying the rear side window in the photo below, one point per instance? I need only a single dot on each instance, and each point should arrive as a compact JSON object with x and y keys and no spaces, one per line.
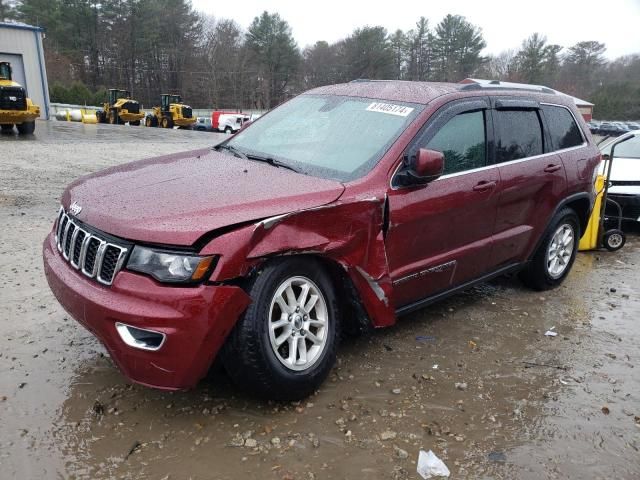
{"x":518,"y":134}
{"x":462,"y":141}
{"x":562,"y":127}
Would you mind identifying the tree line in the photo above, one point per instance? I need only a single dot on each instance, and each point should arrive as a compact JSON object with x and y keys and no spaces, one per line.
{"x":155,"y":46}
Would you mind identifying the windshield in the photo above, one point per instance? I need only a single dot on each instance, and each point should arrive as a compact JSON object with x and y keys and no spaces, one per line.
{"x":628,"y":149}
{"x":333,"y":137}
{"x":5,"y":71}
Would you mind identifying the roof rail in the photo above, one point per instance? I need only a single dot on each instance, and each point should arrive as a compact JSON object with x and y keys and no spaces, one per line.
{"x":496,"y":85}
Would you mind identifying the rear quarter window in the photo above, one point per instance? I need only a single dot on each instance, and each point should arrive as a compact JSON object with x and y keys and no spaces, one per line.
{"x":563,"y":129}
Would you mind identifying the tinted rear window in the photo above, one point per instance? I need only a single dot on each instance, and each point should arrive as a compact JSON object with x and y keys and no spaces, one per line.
{"x":518,"y":134}
{"x":562,"y":127}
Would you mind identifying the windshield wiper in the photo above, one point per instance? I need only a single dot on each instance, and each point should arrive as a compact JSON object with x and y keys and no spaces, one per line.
{"x":238,"y":153}
{"x":272,"y":161}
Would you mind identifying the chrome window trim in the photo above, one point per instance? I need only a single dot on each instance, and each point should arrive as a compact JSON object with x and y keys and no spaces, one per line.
{"x":510,"y":162}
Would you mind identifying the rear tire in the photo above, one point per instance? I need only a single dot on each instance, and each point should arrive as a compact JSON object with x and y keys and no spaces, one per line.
{"x":113,"y":117}
{"x":7,"y":128}
{"x":614,"y":239}
{"x":554,"y":258}
{"x":26,"y":128}
{"x":284,"y":346}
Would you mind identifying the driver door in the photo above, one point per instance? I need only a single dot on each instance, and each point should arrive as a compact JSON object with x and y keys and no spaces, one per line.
{"x":440,"y":233}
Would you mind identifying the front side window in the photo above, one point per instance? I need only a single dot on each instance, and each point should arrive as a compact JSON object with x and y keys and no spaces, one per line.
{"x":462,"y":140}
{"x":328,"y":136}
{"x":562,"y":127}
{"x":518,"y":134}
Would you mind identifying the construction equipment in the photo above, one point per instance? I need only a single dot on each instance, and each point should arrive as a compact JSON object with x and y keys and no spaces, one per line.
{"x":15,"y":107}
{"x":171,"y":112}
{"x":120,"y":108}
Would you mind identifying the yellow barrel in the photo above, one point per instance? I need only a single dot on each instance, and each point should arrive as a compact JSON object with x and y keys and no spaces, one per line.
{"x":589,"y":240}
{"x":89,"y":116}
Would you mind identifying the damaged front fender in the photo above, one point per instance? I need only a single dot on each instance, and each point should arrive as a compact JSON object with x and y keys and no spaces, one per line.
{"x":349,"y":233}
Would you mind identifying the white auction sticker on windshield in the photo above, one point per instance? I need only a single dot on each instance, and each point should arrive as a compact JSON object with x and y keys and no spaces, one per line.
{"x":390,"y":108}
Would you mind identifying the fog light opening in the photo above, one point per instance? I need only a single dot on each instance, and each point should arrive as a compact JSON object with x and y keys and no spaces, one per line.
{"x":140,"y":338}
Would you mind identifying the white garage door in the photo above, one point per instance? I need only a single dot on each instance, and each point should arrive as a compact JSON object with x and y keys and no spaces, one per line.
{"x":17,"y":67}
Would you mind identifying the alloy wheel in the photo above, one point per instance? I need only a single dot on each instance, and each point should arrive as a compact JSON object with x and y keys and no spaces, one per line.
{"x":298,"y":323}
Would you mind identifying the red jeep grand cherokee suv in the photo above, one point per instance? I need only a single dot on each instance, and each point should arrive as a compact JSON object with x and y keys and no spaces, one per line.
{"x":345,"y":207}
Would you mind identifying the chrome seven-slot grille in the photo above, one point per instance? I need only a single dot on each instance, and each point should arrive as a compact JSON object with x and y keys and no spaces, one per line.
{"x":87,"y":251}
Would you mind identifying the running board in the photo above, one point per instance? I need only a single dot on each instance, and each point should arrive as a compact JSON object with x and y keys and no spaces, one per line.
{"x":412,"y":307}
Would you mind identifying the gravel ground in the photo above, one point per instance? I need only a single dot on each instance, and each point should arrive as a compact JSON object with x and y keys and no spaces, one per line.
{"x":472,"y":378}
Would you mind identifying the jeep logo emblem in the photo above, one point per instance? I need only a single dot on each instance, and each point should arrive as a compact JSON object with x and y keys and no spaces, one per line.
{"x":75,"y":208}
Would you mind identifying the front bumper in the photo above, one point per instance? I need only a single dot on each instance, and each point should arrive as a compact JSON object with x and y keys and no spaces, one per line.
{"x":195,"y":320}
{"x":131,"y":117}
{"x":629,"y":203}
{"x":184,"y":122}
{"x":19,"y":116}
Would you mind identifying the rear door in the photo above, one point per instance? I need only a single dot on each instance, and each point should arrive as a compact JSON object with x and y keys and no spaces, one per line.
{"x":440,"y":233}
{"x":533,"y":179}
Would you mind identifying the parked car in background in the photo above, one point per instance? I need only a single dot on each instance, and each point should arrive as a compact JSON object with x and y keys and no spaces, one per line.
{"x":228,"y":122}
{"x":203,"y":124}
{"x":624,"y":186}
{"x":593,"y":126}
{"x":610,"y":129}
{"x":342,"y":209}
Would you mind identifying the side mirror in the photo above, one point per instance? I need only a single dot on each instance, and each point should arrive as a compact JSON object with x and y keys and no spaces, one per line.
{"x":422,"y":168}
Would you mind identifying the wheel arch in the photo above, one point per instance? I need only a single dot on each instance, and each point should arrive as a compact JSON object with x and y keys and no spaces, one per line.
{"x":580,"y":203}
{"x":346,"y":238}
{"x":354,"y":316}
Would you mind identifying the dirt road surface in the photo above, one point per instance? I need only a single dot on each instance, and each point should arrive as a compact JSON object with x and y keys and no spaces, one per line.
{"x":473,"y":378}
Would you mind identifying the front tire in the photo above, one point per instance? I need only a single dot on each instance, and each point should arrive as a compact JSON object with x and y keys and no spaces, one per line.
{"x":26,"y":128}
{"x":7,"y":128}
{"x":555,"y":256}
{"x":284,"y":346}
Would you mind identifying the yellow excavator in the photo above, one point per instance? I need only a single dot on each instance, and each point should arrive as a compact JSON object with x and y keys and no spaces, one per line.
{"x":120,"y":108}
{"x":171,"y":112}
{"x":15,"y":107}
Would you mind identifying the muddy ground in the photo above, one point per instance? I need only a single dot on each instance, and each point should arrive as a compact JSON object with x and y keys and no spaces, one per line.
{"x":473,"y":378}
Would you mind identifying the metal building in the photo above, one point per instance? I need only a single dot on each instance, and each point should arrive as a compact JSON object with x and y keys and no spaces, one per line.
{"x":21,"y":44}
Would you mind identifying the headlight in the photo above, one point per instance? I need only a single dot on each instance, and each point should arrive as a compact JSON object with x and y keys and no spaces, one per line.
{"x":169,"y":266}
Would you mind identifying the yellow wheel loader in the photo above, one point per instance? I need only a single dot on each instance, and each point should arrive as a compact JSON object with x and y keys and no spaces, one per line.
{"x":120,"y":108}
{"x":15,"y":107}
{"x":171,"y":112}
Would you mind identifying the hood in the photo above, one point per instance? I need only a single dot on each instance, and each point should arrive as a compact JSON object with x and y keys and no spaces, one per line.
{"x":176,"y":199}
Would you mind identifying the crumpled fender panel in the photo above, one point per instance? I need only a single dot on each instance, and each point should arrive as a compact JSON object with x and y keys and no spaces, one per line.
{"x":347,"y":232}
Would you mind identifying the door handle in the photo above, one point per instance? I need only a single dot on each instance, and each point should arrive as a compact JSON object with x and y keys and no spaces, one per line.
{"x":483,"y":186}
{"x":552,"y":167}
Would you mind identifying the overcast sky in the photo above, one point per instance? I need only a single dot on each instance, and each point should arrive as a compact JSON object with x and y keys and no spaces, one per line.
{"x":504,"y":23}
